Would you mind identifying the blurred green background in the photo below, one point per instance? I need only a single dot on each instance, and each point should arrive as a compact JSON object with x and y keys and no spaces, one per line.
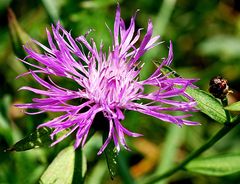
{"x":206,"y":42}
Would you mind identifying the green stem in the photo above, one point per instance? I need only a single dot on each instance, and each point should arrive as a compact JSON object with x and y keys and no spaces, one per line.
{"x":78,"y":166}
{"x":220,"y":134}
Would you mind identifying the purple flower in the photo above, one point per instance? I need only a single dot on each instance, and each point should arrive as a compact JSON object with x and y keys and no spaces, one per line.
{"x":108,"y":83}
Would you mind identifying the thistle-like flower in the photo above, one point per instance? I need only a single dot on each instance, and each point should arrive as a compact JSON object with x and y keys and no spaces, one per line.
{"x":108,"y":83}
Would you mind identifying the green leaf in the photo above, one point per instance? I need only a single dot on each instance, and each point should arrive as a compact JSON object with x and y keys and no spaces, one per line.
{"x":63,"y":167}
{"x":53,"y":8}
{"x":233,"y":107}
{"x":111,"y":155}
{"x":206,"y":103}
{"x":39,"y":138}
{"x":219,"y":165}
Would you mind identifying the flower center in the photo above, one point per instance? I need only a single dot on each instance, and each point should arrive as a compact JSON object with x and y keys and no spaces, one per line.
{"x":112,"y":85}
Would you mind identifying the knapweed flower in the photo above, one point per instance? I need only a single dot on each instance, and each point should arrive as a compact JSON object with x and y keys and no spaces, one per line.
{"x":107,"y":83}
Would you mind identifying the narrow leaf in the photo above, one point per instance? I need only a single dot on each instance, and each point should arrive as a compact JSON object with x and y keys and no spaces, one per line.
{"x":218,"y":165}
{"x":111,"y":155}
{"x":52,"y":7}
{"x":62,"y":168}
{"x":39,"y":138}
{"x":206,"y":103}
{"x":233,"y":107}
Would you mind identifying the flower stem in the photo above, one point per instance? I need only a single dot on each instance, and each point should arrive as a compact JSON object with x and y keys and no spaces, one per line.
{"x":220,"y":134}
{"x":78,"y":174}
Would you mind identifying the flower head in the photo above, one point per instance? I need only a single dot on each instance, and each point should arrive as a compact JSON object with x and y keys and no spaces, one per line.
{"x":108,"y":83}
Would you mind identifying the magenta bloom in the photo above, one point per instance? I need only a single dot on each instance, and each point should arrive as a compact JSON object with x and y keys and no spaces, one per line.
{"x":108,"y":83}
